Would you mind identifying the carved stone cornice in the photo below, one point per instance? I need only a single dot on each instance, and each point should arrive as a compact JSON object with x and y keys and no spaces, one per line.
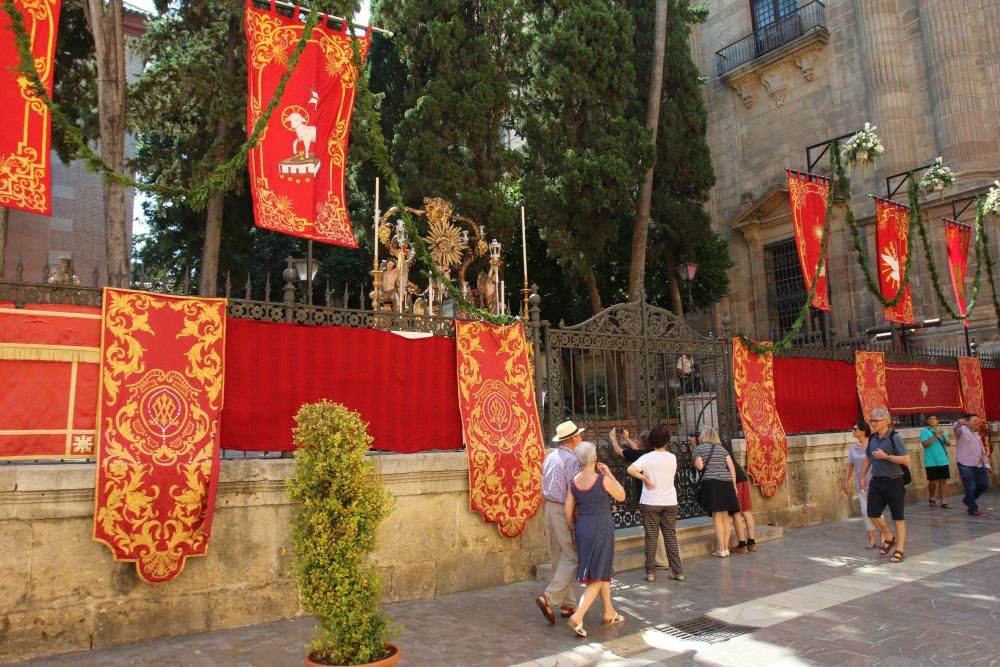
{"x":774,"y":71}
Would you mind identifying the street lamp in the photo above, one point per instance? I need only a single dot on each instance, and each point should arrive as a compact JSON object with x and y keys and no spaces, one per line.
{"x":306,"y":268}
{"x":687,"y":271}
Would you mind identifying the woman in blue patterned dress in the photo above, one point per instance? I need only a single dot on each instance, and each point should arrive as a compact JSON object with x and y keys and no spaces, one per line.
{"x":588,"y":511}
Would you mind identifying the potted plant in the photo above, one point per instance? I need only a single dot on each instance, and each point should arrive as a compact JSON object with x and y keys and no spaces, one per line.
{"x":343,"y":502}
{"x":937,"y":177}
{"x":992,"y":203}
{"x":862,"y":147}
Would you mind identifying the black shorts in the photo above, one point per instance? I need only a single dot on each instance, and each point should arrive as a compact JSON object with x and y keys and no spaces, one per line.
{"x":883,"y":492}
{"x":934,"y":473}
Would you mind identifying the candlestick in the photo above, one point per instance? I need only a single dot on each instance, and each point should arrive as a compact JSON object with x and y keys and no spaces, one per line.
{"x":524,"y":248}
{"x":377,"y":212}
{"x":502,"y":300}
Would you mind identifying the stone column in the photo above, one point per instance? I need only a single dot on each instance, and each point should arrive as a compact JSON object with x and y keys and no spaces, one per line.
{"x":883,"y":44}
{"x":962,"y":125}
{"x":991,"y":50}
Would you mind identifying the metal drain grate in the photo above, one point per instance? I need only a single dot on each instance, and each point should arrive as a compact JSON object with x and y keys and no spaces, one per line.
{"x":705,"y":629}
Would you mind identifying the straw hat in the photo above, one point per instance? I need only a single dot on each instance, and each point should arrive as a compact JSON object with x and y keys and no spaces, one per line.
{"x":566,"y":430}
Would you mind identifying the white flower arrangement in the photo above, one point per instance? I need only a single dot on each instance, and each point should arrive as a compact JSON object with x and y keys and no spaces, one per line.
{"x":937,"y":178}
{"x":863,"y":146}
{"x":992,"y":203}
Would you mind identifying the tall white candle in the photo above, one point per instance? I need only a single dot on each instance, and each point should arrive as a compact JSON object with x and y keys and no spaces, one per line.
{"x":524,"y":248}
{"x":377,"y":213}
{"x":502,"y":300}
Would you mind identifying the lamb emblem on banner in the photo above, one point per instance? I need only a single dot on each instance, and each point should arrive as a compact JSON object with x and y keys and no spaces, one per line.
{"x":303,"y":162}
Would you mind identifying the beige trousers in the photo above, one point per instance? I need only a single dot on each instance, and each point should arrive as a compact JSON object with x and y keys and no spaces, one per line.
{"x":563,"y":554}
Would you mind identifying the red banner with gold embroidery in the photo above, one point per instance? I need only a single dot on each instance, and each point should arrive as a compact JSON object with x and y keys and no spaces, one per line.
{"x":767,"y":443}
{"x":25,"y":127}
{"x":971,"y":377}
{"x":48,"y":381}
{"x":892,"y":234}
{"x":808,"y":193}
{"x":957,"y":236}
{"x":869,"y":372}
{"x":158,"y":423}
{"x":503,"y":436}
{"x":923,"y":388}
{"x":297,"y":167}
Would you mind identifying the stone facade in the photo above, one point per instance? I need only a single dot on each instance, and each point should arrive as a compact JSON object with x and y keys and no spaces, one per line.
{"x":925,"y":72}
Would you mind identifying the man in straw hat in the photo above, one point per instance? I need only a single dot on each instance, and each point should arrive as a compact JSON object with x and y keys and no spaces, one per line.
{"x":558,"y":471}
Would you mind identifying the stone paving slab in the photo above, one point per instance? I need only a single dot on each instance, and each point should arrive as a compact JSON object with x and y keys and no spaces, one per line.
{"x":843,"y":605}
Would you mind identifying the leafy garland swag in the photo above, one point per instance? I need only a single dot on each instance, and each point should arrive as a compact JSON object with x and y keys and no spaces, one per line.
{"x":224,"y":176}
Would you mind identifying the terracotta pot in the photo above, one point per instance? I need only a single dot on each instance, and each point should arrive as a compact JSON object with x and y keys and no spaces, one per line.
{"x":384,"y":662}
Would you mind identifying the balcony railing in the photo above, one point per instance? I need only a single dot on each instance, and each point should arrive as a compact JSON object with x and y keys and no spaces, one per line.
{"x":808,"y":18}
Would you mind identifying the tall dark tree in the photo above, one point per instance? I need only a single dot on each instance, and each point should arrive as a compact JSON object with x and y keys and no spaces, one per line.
{"x":584,"y":155}
{"x":459,"y":57}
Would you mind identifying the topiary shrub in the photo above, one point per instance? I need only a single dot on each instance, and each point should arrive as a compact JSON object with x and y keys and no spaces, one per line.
{"x":333,"y":534}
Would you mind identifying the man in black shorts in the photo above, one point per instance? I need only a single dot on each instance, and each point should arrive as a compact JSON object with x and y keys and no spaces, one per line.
{"x":886,"y":456}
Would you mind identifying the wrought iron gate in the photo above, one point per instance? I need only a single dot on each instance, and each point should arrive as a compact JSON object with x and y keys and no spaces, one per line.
{"x":637,"y":366}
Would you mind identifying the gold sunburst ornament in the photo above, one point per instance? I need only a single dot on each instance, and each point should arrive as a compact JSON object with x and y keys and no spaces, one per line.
{"x":445,"y":242}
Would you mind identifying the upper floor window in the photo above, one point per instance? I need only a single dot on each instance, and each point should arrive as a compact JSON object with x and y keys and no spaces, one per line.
{"x":769,"y":12}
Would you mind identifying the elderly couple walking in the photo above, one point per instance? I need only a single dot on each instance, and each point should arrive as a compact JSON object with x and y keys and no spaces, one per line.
{"x":578,"y":492}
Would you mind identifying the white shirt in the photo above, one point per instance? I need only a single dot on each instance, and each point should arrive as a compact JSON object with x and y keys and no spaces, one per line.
{"x":659,"y":468}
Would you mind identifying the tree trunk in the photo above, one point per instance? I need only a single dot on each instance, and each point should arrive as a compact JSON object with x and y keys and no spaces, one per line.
{"x":673,"y":281}
{"x":108,"y":29}
{"x":208,"y":274}
{"x":4,"y":217}
{"x":595,"y":295}
{"x":640,"y":233}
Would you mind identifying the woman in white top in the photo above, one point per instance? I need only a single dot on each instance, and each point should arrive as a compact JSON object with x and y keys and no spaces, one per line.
{"x":658,"y":502}
{"x":855,"y":460}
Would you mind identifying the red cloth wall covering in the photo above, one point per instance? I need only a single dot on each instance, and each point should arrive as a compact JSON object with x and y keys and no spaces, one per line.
{"x":407,"y":390}
{"x":991,"y":392}
{"x":815,"y":394}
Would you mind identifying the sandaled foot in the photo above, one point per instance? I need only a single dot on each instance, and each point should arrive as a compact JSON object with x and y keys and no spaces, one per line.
{"x":945,"y":506}
{"x":932,"y":503}
{"x":887,"y":546}
{"x":543,"y":604}
{"x":897,"y":557}
{"x":678,"y":577}
{"x":721,"y":554}
{"x":566,"y":611}
{"x":576,"y":626}
{"x":650,"y":576}
{"x":614,"y":620}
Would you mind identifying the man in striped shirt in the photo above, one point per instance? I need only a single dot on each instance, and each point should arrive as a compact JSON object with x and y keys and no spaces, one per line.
{"x":558,"y":471}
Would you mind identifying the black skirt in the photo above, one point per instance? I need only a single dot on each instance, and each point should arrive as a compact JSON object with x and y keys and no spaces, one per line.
{"x":719,"y":496}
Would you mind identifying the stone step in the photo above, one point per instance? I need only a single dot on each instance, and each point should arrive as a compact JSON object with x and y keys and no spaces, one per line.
{"x":694,"y":536}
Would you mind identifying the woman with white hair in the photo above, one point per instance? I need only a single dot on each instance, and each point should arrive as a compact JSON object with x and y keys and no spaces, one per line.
{"x":718,"y":486}
{"x":588,"y":512}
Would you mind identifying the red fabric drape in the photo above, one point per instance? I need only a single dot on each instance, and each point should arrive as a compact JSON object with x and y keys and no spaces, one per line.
{"x":25,"y":127}
{"x":869,"y":369}
{"x":922,"y":388}
{"x":991,"y":392}
{"x":405,"y":389}
{"x":767,"y":443}
{"x":297,"y":168}
{"x":892,"y":235}
{"x":957,"y":236}
{"x":808,"y":193}
{"x":974,"y":394}
{"x":815,"y":394}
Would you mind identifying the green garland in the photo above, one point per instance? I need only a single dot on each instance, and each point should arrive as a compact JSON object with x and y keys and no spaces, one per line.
{"x":372,"y":122}
{"x":786,"y":341}
{"x":222,"y":177}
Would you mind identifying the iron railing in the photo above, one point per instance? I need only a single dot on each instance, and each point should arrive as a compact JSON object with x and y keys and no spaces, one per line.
{"x":807,"y":19}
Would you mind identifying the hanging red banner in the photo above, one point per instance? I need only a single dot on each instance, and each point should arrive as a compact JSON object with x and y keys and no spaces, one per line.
{"x":957,"y":236}
{"x":767,"y":443}
{"x":25,"y":127}
{"x":808,"y":193}
{"x":892,"y":233}
{"x":869,"y":372}
{"x":503,"y":436}
{"x":158,"y":423}
{"x":297,"y":167}
{"x":971,"y":376}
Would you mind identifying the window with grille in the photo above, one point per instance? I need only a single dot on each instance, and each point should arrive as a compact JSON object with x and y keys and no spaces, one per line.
{"x":769,"y":12}
{"x":786,"y":291}
{"x":775,"y":22}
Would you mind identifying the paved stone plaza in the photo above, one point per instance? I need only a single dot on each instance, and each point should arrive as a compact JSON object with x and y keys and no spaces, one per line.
{"x":815,"y":597}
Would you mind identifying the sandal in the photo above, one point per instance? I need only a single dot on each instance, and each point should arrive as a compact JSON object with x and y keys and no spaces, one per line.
{"x":678,"y":577}
{"x":721,"y":554}
{"x":945,"y":506}
{"x":887,"y":546}
{"x":543,"y":604}
{"x":614,"y":620}
{"x":897,"y":557}
{"x":932,"y":503}
{"x":576,"y":627}
{"x":566,"y":612}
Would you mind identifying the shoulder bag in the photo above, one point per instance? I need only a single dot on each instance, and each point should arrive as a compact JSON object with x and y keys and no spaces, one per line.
{"x":699,"y":485}
{"x":896,"y":438}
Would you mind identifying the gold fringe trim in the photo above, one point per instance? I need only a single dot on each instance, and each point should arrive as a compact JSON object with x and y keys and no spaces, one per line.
{"x":50,"y":313}
{"x":29,"y":352}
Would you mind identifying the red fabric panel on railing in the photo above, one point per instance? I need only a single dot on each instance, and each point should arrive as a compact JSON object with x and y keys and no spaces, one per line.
{"x":406,"y":389}
{"x":991,"y":392}
{"x":923,"y":389}
{"x":815,"y":394}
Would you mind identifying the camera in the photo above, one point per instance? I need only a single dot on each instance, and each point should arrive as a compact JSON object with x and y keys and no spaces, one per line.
{"x":619,"y":430}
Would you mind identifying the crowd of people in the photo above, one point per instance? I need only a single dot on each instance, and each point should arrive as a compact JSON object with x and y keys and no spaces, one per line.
{"x":578,"y":491}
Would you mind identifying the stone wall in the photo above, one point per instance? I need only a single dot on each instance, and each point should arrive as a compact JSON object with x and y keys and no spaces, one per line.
{"x":61,"y":591}
{"x":813,"y":488}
